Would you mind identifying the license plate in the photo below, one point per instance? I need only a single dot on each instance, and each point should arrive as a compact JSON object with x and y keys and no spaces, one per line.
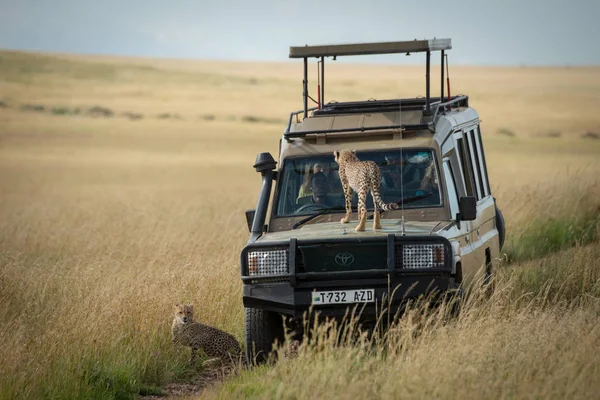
{"x":343,"y":297}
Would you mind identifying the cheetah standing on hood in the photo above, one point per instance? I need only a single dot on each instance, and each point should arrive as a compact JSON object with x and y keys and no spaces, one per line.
{"x":362,"y":176}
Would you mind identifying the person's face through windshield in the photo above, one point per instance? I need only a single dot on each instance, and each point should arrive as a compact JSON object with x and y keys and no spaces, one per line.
{"x":320,"y":185}
{"x":324,"y":168}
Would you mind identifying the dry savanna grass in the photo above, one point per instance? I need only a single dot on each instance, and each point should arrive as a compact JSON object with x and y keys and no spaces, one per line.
{"x":105,"y":222}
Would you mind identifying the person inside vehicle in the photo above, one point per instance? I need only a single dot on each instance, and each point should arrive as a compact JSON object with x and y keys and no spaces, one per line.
{"x":306,"y":187}
{"x":320,"y":187}
{"x":391,"y":176}
{"x":429,"y":187}
{"x":430,"y":180}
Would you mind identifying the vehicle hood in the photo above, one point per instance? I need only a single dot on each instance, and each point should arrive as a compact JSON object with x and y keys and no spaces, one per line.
{"x":329,"y":230}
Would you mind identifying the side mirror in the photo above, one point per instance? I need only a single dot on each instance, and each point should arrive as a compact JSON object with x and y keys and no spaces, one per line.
{"x":250,"y":218}
{"x":467,"y":208}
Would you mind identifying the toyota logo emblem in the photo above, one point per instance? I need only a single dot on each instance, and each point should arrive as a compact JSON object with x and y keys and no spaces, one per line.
{"x":344,"y":259}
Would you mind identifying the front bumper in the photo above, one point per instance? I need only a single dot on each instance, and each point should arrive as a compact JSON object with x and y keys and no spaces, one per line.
{"x":291,"y":294}
{"x":294,"y":301}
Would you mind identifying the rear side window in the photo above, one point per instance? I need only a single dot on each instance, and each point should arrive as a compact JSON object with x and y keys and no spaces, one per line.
{"x":482,"y":163}
{"x":465,"y":163}
{"x":474,"y":161}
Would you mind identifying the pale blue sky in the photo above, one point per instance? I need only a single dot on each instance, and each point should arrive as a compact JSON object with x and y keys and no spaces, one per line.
{"x":506,"y":32}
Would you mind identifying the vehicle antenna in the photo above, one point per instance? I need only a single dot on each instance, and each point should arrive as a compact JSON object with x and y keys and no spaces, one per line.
{"x":318,"y":85}
{"x":448,"y":77}
{"x":402,"y":226}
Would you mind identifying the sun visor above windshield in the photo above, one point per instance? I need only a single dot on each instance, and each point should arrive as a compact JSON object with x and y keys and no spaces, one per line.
{"x":357,"y":121}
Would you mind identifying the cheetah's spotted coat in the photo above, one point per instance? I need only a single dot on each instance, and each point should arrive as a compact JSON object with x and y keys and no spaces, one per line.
{"x":362,"y":176}
{"x":214,"y":342}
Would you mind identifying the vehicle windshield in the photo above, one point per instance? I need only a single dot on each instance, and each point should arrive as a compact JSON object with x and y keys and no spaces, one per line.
{"x":308,"y":185}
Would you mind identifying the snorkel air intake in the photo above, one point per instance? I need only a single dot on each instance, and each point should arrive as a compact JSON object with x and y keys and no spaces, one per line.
{"x":265,"y":164}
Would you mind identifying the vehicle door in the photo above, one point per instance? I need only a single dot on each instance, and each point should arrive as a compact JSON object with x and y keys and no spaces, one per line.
{"x":466,"y":181}
{"x":482,"y":231}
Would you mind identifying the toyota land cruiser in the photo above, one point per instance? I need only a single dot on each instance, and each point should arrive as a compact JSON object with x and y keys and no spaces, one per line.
{"x":445,"y":231}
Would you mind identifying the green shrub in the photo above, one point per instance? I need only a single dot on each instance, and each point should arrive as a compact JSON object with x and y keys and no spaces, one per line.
{"x":543,"y":236}
{"x":33,"y":107}
{"x":61,"y":111}
{"x":506,"y":132}
{"x":99,"y":111}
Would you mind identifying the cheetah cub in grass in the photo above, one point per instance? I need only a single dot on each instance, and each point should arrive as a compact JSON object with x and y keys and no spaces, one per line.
{"x":362,"y":176}
{"x":214,"y":342}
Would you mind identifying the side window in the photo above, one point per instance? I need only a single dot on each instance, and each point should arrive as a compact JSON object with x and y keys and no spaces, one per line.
{"x":458,"y":178}
{"x":451,"y":185}
{"x":482,"y":164}
{"x":465,"y":163}
{"x":474,"y":161}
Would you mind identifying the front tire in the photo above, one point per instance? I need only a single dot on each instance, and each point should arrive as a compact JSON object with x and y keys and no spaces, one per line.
{"x":263,"y":328}
{"x":489,"y":283}
{"x":501,"y":227}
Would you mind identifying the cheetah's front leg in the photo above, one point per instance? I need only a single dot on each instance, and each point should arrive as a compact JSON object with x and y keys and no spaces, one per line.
{"x":348,"y":198}
{"x":193,"y":356}
{"x":363,"y":221}
{"x":376,"y":219}
{"x":362,"y":211}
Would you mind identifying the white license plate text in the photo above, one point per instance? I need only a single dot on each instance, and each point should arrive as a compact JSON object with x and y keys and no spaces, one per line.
{"x":343,"y":296}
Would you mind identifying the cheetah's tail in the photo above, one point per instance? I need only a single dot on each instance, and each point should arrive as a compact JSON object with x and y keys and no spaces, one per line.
{"x":389,"y":206}
{"x":384,"y":206}
{"x":375,"y":183}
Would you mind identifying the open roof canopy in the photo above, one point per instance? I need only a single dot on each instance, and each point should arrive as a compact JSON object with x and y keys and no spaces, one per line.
{"x":411,"y":46}
{"x":333,"y":50}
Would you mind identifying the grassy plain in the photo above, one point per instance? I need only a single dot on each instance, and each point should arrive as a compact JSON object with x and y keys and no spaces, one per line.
{"x":105,"y":222}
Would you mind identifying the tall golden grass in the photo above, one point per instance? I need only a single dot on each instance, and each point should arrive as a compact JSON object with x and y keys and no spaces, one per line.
{"x":515,"y":345}
{"x":106,"y":222}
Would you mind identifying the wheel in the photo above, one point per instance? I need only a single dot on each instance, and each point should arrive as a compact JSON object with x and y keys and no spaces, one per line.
{"x":452,"y":299}
{"x":263,"y":328}
{"x":500,"y":226}
{"x":456,"y":299}
{"x":489,"y":283}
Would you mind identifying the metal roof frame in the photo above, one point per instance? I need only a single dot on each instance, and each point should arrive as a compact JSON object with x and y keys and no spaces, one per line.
{"x":334,"y":50}
{"x":440,"y":104}
{"x":358,"y":49}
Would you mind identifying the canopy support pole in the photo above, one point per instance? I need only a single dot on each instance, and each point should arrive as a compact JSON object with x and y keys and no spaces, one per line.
{"x":427,"y":89}
{"x":322,"y":81}
{"x":305,"y":87}
{"x":442,"y":86}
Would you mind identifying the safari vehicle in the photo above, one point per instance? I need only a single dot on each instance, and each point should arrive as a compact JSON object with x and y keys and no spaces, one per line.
{"x":445,"y":231}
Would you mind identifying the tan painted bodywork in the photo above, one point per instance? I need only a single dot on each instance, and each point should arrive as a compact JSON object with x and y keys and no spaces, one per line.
{"x":335,"y":229}
{"x":469,"y":241}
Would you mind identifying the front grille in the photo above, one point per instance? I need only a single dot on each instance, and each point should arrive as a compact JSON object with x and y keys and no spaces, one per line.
{"x":398,"y":257}
{"x":270,"y":280}
{"x":411,"y":255}
{"x":330,"y":257}
{"x":300,"y":268}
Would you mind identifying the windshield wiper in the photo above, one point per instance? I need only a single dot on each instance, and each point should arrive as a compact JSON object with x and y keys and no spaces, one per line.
{"x":405,"y":201}
{"x":315,"y":215}
{"x":414,"y":198}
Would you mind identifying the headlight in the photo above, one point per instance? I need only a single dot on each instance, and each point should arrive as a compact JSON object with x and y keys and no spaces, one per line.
{"x":417,"y":256}
{"x":268,"y":262}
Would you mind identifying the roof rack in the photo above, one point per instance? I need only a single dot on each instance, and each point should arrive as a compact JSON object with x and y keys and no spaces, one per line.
{"x":412,"y":46}
{"x":359,"y":49}
{"x":403,"y":127}
{"x":377,"y":106}
{"x":354,"y":107}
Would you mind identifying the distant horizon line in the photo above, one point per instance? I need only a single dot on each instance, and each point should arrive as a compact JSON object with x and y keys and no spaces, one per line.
{"x":283,"y":60}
